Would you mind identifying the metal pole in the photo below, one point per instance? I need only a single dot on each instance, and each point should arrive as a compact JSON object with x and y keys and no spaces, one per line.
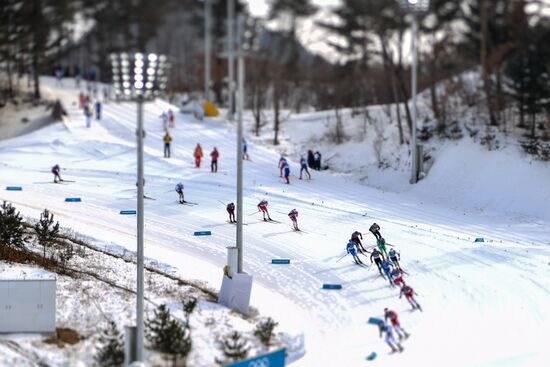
{"x":414,"y":164}
{"x":240,"y":108}
{"x":139,"y":302}
{"x":207,"y":46}
{"x":231,"y":56}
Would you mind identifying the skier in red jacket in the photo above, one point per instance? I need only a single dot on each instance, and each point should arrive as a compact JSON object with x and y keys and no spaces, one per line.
{"x":392,"y":316}
{"x":262,"y":207}
{"x":409,"y":294}
{"x":214,"y":155}
{"x":293,"y":215}
{"x":231,"y":210}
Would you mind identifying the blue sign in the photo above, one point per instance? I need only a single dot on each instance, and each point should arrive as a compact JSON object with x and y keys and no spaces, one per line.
{"x":332,"y":286}
{"x":14,"y":188}
{"x":73,"y":200}
{"x":203,"y":233}
{"x":371,"y":356}
{"x":127,"y":212}
{"x":280,"y":261}
{"x":275,"y":359}
{"x":480,"y":239}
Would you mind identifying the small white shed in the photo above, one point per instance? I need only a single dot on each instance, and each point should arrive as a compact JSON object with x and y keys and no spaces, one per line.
{"x":27,"y":299}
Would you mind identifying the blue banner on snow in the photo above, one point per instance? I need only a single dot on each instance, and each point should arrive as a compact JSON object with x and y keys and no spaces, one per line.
{"x":371,"y":356}
{"x":275,"y":359}
{"x":480,"y":239}
{"x":280,"y":261}
{"x":203,"y":233}
{"x":14,"y":188}
{"x":128,"y":212}
{"x":73,"y":200}
{"x":332,"y":286}
{"x":375,"y":321}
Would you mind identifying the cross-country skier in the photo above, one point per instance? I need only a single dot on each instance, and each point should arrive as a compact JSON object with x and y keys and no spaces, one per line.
{"x":88,"y":115}
{"x":303,"y":167}
{"x":293,"y":215}
{"x":214,"y":164}
{"x":179,"y":190}
{"x":231,"y":210}
{"x":56,"y":177}
{"x":198,"y":155}
{"x":392,"y":315}
{"x":281,"y":165}
{"x":287,"y":172}
{"x":386,"y":267}
{"x":381,"y":244}
{"x":167,"y":140}
{"x":394,"y":257}
{"x":375,"y":230}
{"x":357,"y":237}
{"x":384,"y":327}
{"x":397,"y":276}
{"x":81,"y":100}
{"x":262,"y":207}
{"x":377,"y":256}
{"x":350,"y":248}
{"x":409,"y":294}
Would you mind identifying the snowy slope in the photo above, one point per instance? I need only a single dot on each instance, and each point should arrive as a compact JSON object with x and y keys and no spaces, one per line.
{"x":483,"y":304}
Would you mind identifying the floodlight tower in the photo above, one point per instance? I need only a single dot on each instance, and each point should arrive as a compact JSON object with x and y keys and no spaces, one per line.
{"x":139,"y":77}
{"x":416,"y":7}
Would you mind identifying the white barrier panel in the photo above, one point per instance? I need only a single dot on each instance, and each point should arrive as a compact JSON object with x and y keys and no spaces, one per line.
{"x":235,"y":292}
{"x":27,"y":305}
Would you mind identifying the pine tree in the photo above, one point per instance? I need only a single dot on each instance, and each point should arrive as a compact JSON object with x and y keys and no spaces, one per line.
{"x":189,"y":306}
{"x":111,"y":354}
{"x":46,"y":231}
{"x":234,"y":348}
{"x":264,"y":331}
{"x":168,"y":335}
{"x":12,"y":232}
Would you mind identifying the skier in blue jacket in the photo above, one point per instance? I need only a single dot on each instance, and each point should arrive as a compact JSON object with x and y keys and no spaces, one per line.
{"x":386,"y":267}
{"x":350,"y":248}
{"x":179,"y":190}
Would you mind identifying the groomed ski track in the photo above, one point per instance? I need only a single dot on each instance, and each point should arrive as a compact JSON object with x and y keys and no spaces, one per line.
{"x":484,"y":304}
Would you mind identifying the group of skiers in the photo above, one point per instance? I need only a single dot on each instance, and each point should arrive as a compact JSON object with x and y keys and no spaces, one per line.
{"x":389,"y":268}
{"x":284,"y":169}
{"x":314,"y":160}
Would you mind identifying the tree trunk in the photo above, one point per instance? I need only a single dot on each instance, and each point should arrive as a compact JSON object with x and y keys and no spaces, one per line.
{"x":276,"y":112}
{"x":397,"y":110}
{"x":533,"y":124}
{"x":484,"y":63}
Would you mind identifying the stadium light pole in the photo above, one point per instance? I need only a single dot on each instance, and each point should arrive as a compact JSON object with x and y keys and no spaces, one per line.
{"x":231,"y":56}
{"x":139,"y":77}
{"x":207,"y":46}
{"x":247,"y":36}
{"x":416,"y":7}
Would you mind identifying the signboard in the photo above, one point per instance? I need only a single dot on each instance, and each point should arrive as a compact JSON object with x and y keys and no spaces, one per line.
{"x":14,"y":188}
{"x":73,"y":200}
{"x":127,"y":212}
{"x":280,"y":261}
{"x":203,"y":233}
{"x":275,"y":359}
{"x":332,"y":286}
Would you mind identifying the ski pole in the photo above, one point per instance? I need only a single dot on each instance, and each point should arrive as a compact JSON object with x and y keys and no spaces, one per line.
{"x":342,"y":257}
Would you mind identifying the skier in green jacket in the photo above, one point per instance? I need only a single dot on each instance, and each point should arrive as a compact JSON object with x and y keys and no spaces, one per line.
{"x":381,"y":243}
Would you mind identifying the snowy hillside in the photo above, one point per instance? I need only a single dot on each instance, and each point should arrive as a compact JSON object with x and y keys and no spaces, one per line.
{"x":484,"y":304}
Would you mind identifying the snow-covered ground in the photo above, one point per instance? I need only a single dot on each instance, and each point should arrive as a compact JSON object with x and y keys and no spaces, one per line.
{"x":484,"y":304}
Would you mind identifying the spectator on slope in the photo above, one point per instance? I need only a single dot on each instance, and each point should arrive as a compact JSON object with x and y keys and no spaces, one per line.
{"x":386,"y":328}
{"x":317,"y":157}
{"x":409,"y":295}
{"x":245,"y":150}
{"x":262,"y":207}
{"x":394,"y":319}
{"x":281,"y":165}
{"x":394,"y":257}
{"x":357,"y":237}
{"x":231,"y":210}
{"x":56,"y":177}
{"x":310,"y":159}
{"x":198,"y":155}
{"x":164,"y":118}
{"x":375,"y":230}
{"x":98,"y":110}
{"x":81,"y":100}
{"x":179,"y":190}
{"x":171,"y":118}
{"x":214,"y":164}
{"x":377,"y":256}
{"x":293,"y":215}
{"x":350,"y":248}
{"x":88,"y":115}
{"x":303,"y":167}
{"x":167,"y":141}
